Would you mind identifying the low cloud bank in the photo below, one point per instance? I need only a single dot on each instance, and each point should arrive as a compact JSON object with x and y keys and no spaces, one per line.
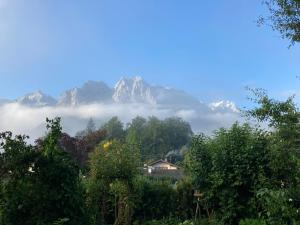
{"x":22,"y":119}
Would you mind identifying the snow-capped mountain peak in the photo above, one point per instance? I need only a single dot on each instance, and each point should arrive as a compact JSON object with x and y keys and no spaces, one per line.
{"x":127,"y":91}
{"x":129,"y":98}
{"x":133,"y":90}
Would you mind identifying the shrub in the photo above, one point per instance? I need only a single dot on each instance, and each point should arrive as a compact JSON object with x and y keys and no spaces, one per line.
{"x":155,"y":199}
{"x":252,"y":222}
{"x":167,"y":221}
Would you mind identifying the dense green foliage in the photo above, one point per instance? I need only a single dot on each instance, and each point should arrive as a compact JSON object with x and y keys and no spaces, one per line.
{"x":228,"y":169}
{"x":160,"y":201}
{"x":251,"y":173}
{"x":114,"y":128}
{"x":158,"y":137}
{"x":114,"y":166}
{"x":39,"y":187}
{"x":41,"y":184}
{"x":156,"y":199}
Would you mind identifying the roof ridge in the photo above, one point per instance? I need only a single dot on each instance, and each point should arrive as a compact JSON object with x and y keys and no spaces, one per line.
{"x":161,"y":160}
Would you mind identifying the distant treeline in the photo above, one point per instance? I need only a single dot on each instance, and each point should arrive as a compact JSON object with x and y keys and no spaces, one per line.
{"x":157,"y":139}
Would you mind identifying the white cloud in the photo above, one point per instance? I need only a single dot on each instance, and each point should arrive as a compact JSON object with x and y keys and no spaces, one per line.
{"x":30,"y":120}
{"x":187,"y":114}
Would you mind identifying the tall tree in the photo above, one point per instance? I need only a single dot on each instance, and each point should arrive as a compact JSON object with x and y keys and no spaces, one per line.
{"x":179,"y":132}
{"x":114,"y":128}
{"x":159,"y":137}
{"x":90,"y":127}
{"x":16,"y":180}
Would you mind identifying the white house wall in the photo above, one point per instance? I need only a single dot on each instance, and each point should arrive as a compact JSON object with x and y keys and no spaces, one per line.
{"x":162,"y":165}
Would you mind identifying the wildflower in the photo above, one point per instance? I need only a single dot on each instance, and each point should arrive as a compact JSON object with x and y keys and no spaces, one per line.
{"x":107,"y":145}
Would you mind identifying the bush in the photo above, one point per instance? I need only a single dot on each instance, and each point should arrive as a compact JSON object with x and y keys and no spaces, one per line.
{"x":154,"y":199}
{"x":167,"y":221}
{"x":252,"y":222}
{"x":185,"y":205}
{"x":225,"y":169}
{"x":278,"y":207}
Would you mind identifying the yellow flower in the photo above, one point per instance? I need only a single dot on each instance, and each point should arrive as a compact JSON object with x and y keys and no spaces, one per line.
{"x":107,"y":145}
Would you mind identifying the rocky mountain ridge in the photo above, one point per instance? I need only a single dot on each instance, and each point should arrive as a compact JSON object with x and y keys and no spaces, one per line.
{"x":132,"y":90}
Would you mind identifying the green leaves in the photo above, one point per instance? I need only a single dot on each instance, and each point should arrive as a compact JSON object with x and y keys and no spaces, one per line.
{"x":285,"y":18}
{"x":113,"y":168}
{"x":225,"y":169}
{"x":246,"y":172}
{"x":50,"y":144}
{"x":278,"y":206}
{"x":158,"y":137}
{"x":39,"y":186}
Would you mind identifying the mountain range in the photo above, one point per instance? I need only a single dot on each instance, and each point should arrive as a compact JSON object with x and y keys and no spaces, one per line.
{"x":132,"y":90}
{"x":130,"y":97}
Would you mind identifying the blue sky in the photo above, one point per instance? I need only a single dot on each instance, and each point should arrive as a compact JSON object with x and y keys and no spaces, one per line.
{"x":211,"y":49}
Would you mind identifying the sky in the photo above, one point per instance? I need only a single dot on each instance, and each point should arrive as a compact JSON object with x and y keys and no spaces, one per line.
{"x":210,"y":49}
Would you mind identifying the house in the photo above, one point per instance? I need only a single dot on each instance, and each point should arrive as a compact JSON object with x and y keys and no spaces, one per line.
{"x":161,"y":165}
{"x":163,"y":168}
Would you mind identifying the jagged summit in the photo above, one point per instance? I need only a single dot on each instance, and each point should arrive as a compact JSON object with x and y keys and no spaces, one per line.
{"x":37,"y":98}
{"x":133,"y":90}
{"x":90,"y":92}
{"x":128,"y":90}
{"x":136,"y":90}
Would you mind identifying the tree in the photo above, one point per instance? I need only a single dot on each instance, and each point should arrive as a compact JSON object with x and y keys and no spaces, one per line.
{"x":282,"y":117}
{"x":90,"y":127}
{"x":281,"y":200}
{"x":154,"y":143}
{"x":39,"y":186}
{"x":113,"y":168}
{"x":114,"y":128}
{"x":160,"y":138}
{"x":16,"y":180}
{"x":179,"y":132}
{"x":228,"y":169}
{"x":285,"y":18}
{"x":246,"y":172}
{"x":137,"y":127}
{"x":80,"y":147}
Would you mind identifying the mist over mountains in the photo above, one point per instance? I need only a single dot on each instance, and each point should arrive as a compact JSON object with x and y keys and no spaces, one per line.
{"x":129,"y":98}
